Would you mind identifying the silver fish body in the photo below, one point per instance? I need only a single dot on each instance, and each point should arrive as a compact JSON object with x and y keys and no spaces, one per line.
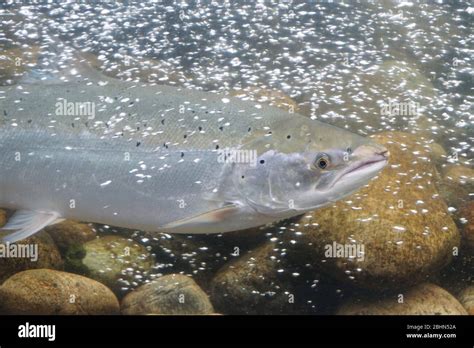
{"x":150,"y":157}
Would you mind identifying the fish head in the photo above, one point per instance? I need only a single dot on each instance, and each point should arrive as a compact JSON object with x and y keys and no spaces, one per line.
{"x":326,"y":169}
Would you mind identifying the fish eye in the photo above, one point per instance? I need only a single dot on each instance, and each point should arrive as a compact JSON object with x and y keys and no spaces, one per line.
{"x":322,"y":161}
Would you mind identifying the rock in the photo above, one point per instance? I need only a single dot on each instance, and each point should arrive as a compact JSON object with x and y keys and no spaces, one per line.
{"x":42,"y":253}
{"x":401,"y":80}
{"x":3,"y":217}
{"x":117,"y":262}
{"x":438,"y":153}
{"x":188,"y":255}
{"x":459,"y":174}
{"x":49,"y":292}
{"x":243,"y":240}
{"x":192,"y":255}
{"x":137,"y":69}
{"x":456,"y":184}
{"x":68,"y":233}
{"x":171,"y":294}
{"x":458,"y":275}
{"x":15,"y":61}
{"x":399,"y":219}
{"x":267,"y":96}
{"x":466,"y":297}
{"x":199,"y":256}
{"x":427,"y":127}
{"x":358,"y":98}
{"x":428,"y":35}
{"x":253,"y":282}
{"x":466,"y":219}
{"x":424,"y":299}
{"x":264,"y":281}
{"x":453,"y":194}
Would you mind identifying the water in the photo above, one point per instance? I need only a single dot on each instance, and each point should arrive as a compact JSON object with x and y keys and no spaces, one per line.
{"x":372,"y":68}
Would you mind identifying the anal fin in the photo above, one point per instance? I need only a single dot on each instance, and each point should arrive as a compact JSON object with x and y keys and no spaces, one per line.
{"x":25,"y":223}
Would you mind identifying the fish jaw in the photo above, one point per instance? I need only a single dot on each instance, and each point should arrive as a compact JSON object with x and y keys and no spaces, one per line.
{"x":368,"y":161}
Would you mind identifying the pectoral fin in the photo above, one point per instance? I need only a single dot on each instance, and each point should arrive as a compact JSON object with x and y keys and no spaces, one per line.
{"x":25,"y":223}
{"x":204,"y":221}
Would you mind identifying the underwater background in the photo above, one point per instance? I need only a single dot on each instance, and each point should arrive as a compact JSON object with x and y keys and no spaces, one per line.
{"x":398,"y":71}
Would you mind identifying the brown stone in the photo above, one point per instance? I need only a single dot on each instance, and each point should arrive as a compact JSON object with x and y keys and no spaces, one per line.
{"x":171,"y":294}
{"x":466,"y":297}
{"x":48,"y":292}
{"x":48,"y":256}
{"x":68,"y":233}
{"x":424,"y":299}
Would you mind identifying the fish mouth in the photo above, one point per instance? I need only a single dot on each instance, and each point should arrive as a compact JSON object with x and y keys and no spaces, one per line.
{"x":365,"y":168}
{"x":366,"y":165}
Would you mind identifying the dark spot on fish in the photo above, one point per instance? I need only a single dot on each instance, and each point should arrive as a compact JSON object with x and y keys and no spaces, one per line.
{"x":138,"y":143}
{"x":72,"y":124}
{"x":67,"y":90}
{"x":193,"y":111}
{"x":131,"y":103}
{"x":182,"y":154}
{"x":288,"y":136}
{"x":249,"y":129}
{"x":221,"y":128}
{"x":206,"y":112}
{"x":185,"y":136}
{"x":87,"y":124}
{"x":5,"y":112}
{"x":164,"y":145}
{"x":29,"y":121}
{"x":243,"y":176}
{"x":116,"y":98}
{"x":200,"y":128}
{"x":138,"y":128}
{"x":262,"y":161}
{"x":269,"y":132}
{"x":217,"y":147}
{"x":163,"y":121}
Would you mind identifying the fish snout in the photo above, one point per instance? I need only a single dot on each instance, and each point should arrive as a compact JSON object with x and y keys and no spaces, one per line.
{"x":370,"y":150}
{"x":382,"y":151}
